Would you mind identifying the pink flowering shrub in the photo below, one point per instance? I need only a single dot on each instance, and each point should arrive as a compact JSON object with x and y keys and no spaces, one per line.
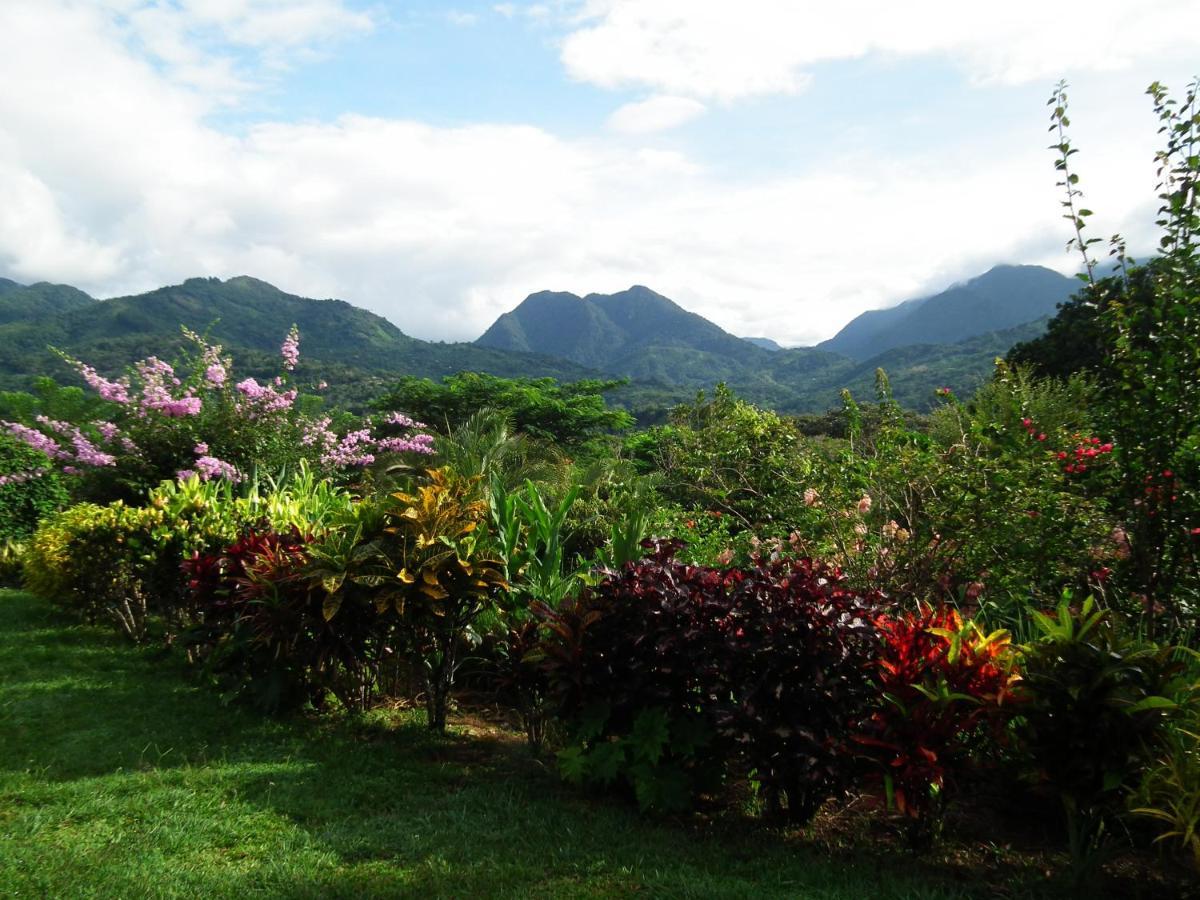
{"x":195,"y":420}
{"x":29,"y":489}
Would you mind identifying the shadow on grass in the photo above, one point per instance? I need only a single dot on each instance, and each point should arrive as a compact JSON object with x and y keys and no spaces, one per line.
{"x":109,"y":746}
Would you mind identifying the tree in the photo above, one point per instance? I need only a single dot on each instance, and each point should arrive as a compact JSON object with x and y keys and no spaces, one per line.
{"x":569,"y":414}
{"x":1146,"y":324}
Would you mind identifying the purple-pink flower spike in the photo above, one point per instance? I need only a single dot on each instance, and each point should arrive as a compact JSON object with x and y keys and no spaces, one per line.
{"x":290,"y":350}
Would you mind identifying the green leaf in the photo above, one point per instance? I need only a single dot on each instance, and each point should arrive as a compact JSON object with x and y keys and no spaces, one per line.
{"x":331,"y":605}
{"x":1153,"y":702}
{"x":592,"y":721}
{"x":573,"y":764}
{"x":605,"y":761}
{"x":650,"y":735}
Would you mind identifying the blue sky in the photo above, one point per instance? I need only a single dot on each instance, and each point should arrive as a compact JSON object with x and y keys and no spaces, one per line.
{"x":775,"y":165}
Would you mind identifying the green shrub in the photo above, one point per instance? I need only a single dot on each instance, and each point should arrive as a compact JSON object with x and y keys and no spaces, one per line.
{"x":421,"y":560}
{"x":1170,"y":793}
{"x":29,"y":489}
{"x":123,"y":562}
{"x":1095,"y":703}
{"x":91,"y":560}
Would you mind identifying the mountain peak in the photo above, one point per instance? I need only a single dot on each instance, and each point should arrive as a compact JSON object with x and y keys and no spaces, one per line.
{"x":1003,"y":297}
{"x":609,"y":332}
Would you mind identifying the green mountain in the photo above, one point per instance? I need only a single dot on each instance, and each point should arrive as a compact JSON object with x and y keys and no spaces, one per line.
{"x":24,"y":303}
{"x":339,"y":342}
{"x":1002,"y":298}
{"x":948,"y":340}
{"x":667,"y":352}
{"x":612,"y":332}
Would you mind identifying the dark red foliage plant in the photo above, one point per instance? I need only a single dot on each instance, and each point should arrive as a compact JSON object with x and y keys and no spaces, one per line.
{"x":760,"y":672}
{"x":260,"y":628}
{"x":946,"y":689}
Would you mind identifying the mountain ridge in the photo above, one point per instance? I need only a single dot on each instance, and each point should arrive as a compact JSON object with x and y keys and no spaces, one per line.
{"x":667,"y":351}
{"x":1003,"y":297}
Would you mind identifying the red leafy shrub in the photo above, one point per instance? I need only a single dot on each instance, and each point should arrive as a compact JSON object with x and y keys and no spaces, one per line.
{"x":261,"y":628}
{"x":760,"y":671}
{"x":944,"y":685}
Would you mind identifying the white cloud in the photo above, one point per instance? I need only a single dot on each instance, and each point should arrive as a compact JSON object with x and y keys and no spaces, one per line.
{"x":655,"y":114}
{"x":713,"y":49}
{"x":111,"y":178}
{"x":199,"y":41}
{"x":462,"y":19}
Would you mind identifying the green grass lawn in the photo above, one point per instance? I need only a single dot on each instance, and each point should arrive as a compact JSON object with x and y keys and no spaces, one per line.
{"x":121,"y":777}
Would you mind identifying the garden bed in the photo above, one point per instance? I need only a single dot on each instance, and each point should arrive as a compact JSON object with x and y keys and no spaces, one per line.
{"x":120,"y":777}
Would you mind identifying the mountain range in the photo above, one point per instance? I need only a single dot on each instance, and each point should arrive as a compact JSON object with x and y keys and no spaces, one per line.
{"x":666,"y":351}
{"x":946,"y":339}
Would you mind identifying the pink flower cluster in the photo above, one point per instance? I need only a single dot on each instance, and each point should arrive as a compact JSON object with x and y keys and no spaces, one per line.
{"x":258,"y":399}
{"x":208,"y":467}
{"x":400,"y":420}
{"x":290,"y":350}
{"x":22,"y":477}
{"x":418,"y":443}
{"x":113,"y":391}
{"x":108,"y":430}
{"x":157,"y":379}
{"x":70,"y":446}
{"x":360,"y":448}
{"x":355,"y":449}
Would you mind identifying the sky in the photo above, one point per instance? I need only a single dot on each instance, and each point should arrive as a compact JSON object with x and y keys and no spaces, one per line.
{"x":777,"y":166}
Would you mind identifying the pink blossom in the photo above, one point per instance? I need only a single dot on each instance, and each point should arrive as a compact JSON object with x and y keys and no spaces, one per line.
{"x":209,"y":467}
{"x":200,"y":449}
{"x":35,"y":439}
{"x":114,"y":391}
{"x":215,"y":375}
{"x":353,"y":450}
{"x":88,"y":454}
{"x":263,"y":398}
{"x":864,"y":504}
{"x":317,"y":434}
{"x":401,"y":420}
{"x":290,"y":350}
{"x":179,"y":407}
{"x":811,"y":497}
{"x":21,"y":477}
{"x":418,"y":443}
{"x":108,"y":430}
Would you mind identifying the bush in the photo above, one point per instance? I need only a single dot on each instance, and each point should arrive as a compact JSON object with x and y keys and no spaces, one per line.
{"x":123,"y":562}
{"x":1095,"y":705}
{"x":727,"y":455}
{"x":29,"y":490}
{"x":945,"y":693}
{"x":159,"y":423}
{"x":90,"y":559}
{"x":676,"y":672}
{"x":262,"y":631}
{"x":1170,"y":793}
{"x":423,"y":560}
